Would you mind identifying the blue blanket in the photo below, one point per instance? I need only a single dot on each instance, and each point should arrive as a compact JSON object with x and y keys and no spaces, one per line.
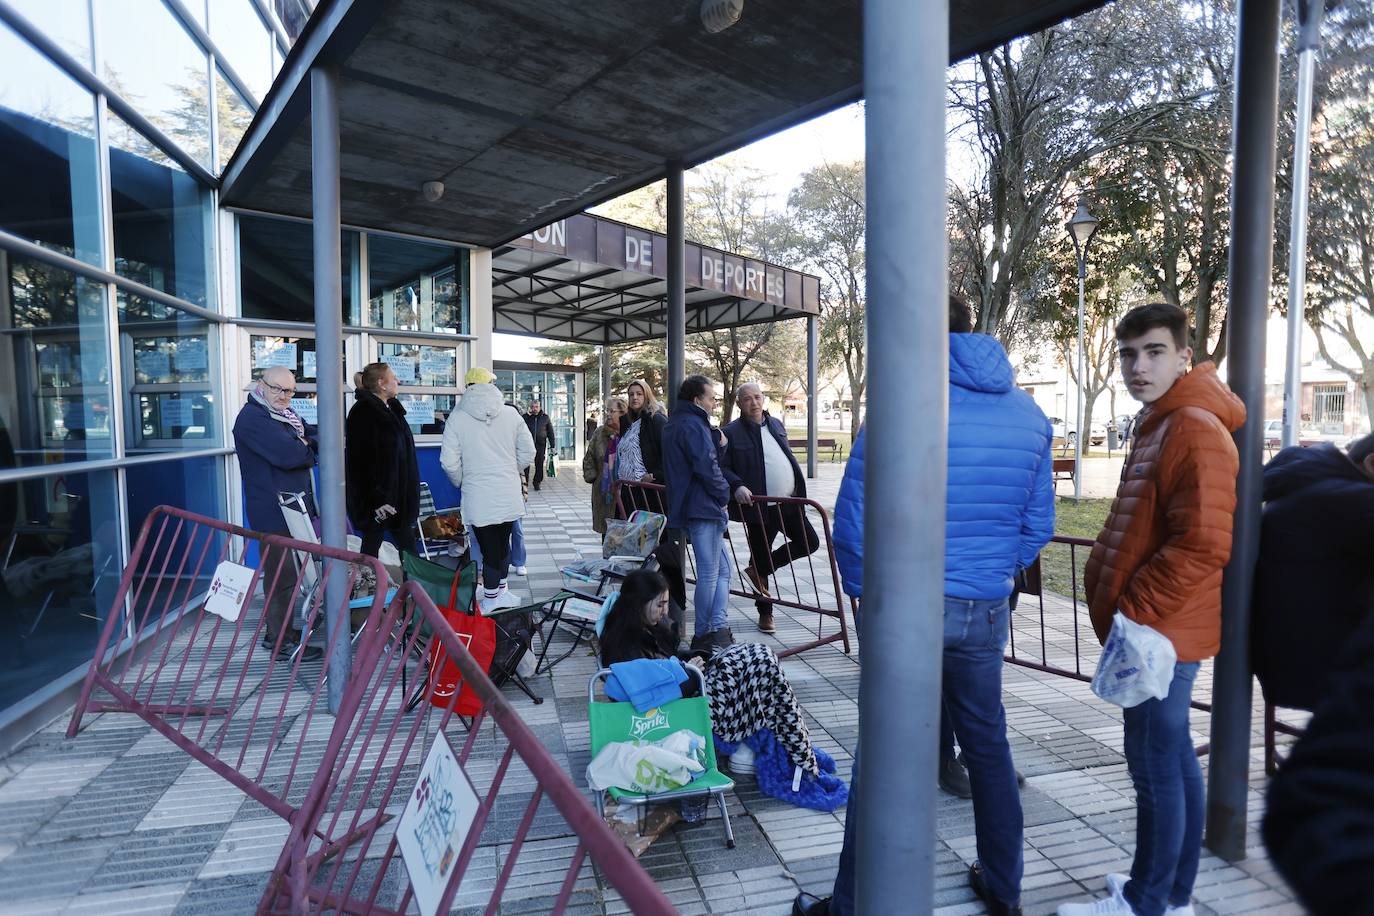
{"x":648,"y":683}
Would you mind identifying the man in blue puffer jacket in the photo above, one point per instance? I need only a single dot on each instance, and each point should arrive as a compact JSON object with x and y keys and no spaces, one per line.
{"x":999,"y":512}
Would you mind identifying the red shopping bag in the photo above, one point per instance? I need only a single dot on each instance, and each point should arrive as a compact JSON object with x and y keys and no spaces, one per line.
{"x":478,"y":636}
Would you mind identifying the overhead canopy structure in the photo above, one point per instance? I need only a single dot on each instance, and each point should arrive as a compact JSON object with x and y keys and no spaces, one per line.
{"x":589,"y":279}
{"x":532,"y":110}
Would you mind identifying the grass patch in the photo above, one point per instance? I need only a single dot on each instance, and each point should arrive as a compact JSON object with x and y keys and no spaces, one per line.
{"x":1084,"y":520}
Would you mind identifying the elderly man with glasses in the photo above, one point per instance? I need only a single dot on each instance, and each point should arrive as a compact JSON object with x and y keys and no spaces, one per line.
{"x":276,"y":453}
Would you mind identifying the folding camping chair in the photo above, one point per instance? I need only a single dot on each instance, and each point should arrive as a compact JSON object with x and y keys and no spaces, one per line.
{"x":302,"y":528}
{"x":617,"y":721}
{"x":629,"y":546}
{"x":457,"y":588}
{"x":432,"y":547}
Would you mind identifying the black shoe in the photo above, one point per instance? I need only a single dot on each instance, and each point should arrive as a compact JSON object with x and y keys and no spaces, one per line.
{"x":979,"y":882}
{"x":954,"y":778}
{"x":810,"y":905}
{"x":308,"y":654}
{"x":536,"y":488}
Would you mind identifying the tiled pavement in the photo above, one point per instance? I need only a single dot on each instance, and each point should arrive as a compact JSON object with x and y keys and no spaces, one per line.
{"x":115,"y":822}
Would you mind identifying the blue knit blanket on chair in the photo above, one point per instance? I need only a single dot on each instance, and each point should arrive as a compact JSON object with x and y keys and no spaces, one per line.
{"x":774,"y":771}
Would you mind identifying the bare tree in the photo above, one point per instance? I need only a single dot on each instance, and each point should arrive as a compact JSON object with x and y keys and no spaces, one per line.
{"x":829,"y":209}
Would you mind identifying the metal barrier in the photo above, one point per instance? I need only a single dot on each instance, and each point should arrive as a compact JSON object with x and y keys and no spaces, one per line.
{"x":211,"y":685}
{"x":793,"y":576}
{"x":360,"y":802}
{"x":1055,"y":657}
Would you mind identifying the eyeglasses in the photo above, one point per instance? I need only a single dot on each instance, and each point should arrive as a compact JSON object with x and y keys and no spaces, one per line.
{"x":279,"y":389}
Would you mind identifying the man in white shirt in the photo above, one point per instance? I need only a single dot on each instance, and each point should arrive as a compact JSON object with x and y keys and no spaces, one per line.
{"x":758,"y":462}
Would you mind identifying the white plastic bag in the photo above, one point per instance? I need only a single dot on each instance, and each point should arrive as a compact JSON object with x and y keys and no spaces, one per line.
{"x":640,"y":768}
{"x":1137,"y":664}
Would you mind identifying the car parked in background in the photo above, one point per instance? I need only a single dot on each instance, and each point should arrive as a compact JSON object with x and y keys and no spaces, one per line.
{"x":1097,"y":432}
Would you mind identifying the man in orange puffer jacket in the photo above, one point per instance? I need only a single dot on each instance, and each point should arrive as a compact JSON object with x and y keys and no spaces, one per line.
{"x":1159,"y":561}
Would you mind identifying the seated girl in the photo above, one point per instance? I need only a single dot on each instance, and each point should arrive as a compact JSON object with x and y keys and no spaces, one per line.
{"x":745,"y":684}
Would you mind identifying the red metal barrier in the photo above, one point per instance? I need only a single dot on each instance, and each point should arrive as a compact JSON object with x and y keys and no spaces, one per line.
{"x":1056,"y":659}
{"x":209,"y":684}
{"x":360,"y":802}
{"x":793,"y":576}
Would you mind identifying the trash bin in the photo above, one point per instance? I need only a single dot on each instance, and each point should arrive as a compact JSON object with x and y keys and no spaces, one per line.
{"x":1113,"y":439}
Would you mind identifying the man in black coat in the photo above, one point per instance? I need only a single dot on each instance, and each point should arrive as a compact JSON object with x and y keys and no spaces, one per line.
{"x":541,"y":429}
{"x":757,"y":461}
{"x":1314,"y":582}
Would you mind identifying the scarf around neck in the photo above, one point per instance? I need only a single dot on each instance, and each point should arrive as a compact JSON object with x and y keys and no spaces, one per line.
{"x":288,"y":416}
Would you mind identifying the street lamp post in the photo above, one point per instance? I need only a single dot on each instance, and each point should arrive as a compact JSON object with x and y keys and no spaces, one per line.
{"x":1080,"y":229}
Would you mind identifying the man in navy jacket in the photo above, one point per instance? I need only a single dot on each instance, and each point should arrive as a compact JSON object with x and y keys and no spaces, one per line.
{"x":276,"y":453}
{"x":758,"y":462}
{"x":999,"y":512}
{"x":697,"y":494}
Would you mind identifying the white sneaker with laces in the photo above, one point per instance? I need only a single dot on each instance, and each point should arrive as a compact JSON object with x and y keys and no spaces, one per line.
{"x":508,"y":598}
{"x":487,"y":604}
{"x":1112,"y":905}
{"x":742,"y":760}
{"x":1116,"y":884}
{"x":521,"y":571}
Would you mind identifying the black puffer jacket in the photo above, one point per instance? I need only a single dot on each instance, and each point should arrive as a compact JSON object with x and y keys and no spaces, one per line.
{"x":1314,"y":583}
{"x":1319,"y":826}
{"x":380,"y":462}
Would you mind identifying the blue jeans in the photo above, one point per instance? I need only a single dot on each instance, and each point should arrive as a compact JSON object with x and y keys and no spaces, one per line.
{"x":1169,"y":802}
{"x":517,"y":545}
{"x":975,"y":637}
{"x":712,"y":593}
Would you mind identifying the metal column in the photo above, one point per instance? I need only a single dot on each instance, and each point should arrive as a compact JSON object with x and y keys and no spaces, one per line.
{"x":1081,"y":427}
{"x":906,"y":46}
{"x":1252,"y":238}
{"x":1309,"y":40}
{"x":812,"y":351}
{"x":605,"y":378}
{"x":324,"y":146}
{"x":677,"y":285}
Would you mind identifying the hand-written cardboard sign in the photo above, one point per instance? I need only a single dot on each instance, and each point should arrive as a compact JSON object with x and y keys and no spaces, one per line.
{"x":229,"y":590}
{"x":435,"y":823}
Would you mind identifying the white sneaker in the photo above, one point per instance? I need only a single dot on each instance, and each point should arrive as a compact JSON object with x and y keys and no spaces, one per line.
{"x":487,"y":604}
{"x":508,"y":598}
{"x":1116,"y":884}
{"x":742,"y":760}
{"x":1112,"y":905}
{"x":521,"y":571}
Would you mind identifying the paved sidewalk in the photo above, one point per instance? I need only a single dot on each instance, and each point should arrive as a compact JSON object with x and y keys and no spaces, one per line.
{"x":115,"y":822}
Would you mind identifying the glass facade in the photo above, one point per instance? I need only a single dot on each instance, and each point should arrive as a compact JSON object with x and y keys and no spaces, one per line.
{"x":557,"y":394}
{"x":111,"y":363}
{"x":128,"y":340}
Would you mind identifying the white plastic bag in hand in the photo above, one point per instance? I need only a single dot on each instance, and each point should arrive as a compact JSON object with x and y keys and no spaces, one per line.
{"x":640,"y":768}
{"x":1137,"y":664}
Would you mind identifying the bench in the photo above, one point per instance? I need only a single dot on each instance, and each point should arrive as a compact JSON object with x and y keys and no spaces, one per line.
{"x":1065,"y":468}
{"x":832,"y":444}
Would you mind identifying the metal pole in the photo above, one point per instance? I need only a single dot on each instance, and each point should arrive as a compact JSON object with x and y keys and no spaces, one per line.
{"x":812,"y":358}
{"x":324,"y":146}
{"x":1251,"y":259}
{"x":677,"y":285}
{"x":1309,"y":39}
{"x":1080,"y":429}
{"x":605,"y":378}
{"x":906,"y":46}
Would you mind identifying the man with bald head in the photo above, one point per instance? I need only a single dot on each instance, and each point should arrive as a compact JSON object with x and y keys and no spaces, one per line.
{"x":276,"y":453}
{"x":758,"y":462}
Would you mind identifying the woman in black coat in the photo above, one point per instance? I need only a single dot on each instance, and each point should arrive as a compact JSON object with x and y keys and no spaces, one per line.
{"x":383,"y":477}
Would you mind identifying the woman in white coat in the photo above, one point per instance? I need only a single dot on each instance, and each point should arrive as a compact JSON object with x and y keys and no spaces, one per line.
{"x":487,"y":446}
